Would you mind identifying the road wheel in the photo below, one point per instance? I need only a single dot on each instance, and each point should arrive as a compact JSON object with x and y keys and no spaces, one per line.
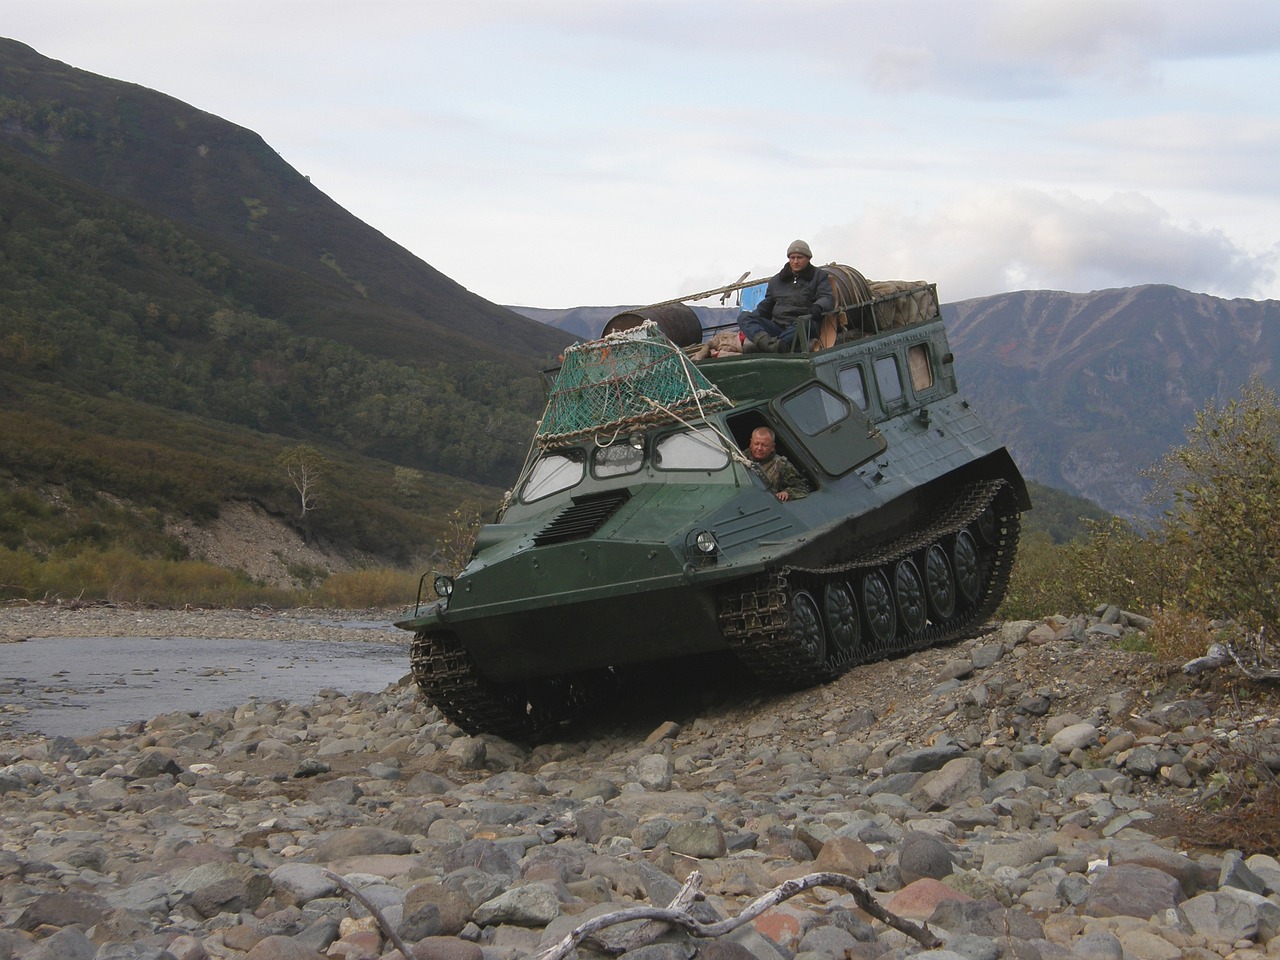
{"x":940,"y":585}
{"x":877,"y":603}
{"x":841,"y":609}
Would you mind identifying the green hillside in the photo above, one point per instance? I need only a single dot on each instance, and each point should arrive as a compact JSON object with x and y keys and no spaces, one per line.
{"x":135,"y":367}
{"x":168,"y":330}
{"x":200,"y":171}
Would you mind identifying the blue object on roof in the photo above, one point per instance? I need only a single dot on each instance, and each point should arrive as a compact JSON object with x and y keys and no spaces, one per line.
{"x":750,"y":297}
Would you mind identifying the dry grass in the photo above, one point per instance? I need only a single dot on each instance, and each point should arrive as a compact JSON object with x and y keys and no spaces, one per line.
{"x":362,"y":589}
{"x":1240,"y":810}
{"x":1177,"y":636}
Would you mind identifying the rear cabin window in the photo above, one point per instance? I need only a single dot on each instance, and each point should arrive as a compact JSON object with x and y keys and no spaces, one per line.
{"x":853,"y":384}
{"x":888,"y":379}
{"x":815,"y":408}
{"x":552,"y":473}
{"x":690,"y":450}
{"x":919,"y":367}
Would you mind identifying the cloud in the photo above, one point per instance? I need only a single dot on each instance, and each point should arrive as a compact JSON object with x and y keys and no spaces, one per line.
{"x":1008,"y":239}
{"x":578,"y":151}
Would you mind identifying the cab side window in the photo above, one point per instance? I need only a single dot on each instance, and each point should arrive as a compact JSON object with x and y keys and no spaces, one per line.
{"x":919,"y":367}
{"x":888,"y":380}
{"x":815,"y":408}
{"x":853,"y":384}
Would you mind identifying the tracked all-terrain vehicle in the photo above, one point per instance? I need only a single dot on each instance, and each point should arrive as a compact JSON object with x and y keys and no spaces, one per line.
{"x":638,"y":532}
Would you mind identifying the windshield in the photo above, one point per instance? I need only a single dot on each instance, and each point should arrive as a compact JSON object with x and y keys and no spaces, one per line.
{"x":552,"y":473}
{"x":700,"y":449}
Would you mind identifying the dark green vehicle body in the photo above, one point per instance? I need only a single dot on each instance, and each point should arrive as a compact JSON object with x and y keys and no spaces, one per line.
{"x":656,"y":541}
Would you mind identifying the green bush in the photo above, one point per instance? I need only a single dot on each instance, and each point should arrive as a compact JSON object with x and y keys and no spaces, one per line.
{"x":1226,"y":486}
{"x":1038,"y":584}
{"x":1215,"y":555}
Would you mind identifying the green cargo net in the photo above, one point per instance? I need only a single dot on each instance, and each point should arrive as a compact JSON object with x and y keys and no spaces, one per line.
{"x":635,"y":377}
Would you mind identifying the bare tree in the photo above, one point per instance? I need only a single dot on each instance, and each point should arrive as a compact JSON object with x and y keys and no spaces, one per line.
{"x":305,"y":467}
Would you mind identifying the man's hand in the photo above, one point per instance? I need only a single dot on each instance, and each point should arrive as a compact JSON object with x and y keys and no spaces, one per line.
{"x":783,"y":496}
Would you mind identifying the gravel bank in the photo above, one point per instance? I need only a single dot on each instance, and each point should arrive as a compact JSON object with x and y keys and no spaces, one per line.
{"x":1013,"y":791}
{"x":20,"y":622}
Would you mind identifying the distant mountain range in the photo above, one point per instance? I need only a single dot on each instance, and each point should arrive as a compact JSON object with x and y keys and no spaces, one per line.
{"x":1087,"y":389}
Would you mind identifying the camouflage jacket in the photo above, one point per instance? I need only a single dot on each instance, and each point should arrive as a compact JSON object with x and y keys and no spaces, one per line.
{"x":778,"y":474}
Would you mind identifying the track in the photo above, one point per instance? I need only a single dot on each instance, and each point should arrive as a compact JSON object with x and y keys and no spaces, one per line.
{"x":448,"y":677}
{"x":797,"y":626}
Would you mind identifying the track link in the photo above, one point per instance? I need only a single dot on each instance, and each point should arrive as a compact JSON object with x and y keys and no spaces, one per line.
{"x":449,"y":678}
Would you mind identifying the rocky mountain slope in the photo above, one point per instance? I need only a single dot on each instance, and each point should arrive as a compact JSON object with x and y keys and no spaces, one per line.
{"x":1089,"y":389}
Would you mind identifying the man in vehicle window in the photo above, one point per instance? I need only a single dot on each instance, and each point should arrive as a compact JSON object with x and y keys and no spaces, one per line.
{"x":780,"y":477}
{"x":799,"y":292}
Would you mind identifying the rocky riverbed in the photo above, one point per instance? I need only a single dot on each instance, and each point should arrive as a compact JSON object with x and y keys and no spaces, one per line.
{"x":1035,"y":792}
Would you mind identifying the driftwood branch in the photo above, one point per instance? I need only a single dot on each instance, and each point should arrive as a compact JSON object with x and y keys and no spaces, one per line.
{"x":377,"y":915}
{"x":649,"y":930}
{"x":1255,"y":657}
{"x":681,"y":917}
{"x":1262,"y":656}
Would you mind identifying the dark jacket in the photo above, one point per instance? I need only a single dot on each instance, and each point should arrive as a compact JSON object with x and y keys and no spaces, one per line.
{"x":790,"y":296}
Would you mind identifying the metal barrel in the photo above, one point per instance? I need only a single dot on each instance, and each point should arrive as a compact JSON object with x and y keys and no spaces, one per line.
{"x":678,"y":322}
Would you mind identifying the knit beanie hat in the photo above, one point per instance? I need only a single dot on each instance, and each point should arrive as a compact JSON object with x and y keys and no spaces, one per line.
{"x":800,"y":247}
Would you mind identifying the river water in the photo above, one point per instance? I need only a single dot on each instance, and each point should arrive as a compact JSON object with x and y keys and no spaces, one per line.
{"x":76,"y":686}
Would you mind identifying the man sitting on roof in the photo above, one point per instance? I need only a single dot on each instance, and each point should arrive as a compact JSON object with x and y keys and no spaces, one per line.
{"x":780,"y":476}
{"x":799,"y":292}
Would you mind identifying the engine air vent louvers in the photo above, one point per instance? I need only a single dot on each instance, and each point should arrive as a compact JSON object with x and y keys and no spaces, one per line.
{"x":583,"y":517}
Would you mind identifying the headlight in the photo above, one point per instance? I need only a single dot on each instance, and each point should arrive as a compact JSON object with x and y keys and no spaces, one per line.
{"x":701,"y":547}
{"x":443,"y":586}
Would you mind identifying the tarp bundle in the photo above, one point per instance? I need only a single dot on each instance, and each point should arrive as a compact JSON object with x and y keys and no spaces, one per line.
{"x":864,"y":307}
{"x":900,"y":302}
{"x":626,"y":379}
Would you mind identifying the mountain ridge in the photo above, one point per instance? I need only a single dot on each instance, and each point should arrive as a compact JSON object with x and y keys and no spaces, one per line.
{"x":1088,"y":389}
{"x":177,"y":161}
{"x":172,"y":320}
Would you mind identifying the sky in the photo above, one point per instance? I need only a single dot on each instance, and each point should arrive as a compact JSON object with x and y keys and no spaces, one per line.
{"x":558,"y":153}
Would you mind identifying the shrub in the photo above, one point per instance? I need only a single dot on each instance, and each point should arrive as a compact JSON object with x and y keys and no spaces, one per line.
{"x":1178,"y":636}
{"x":361,"y":589}
{"x":1119,"y":564}
{"x":1037,"y":584}
{"x":455,"y":546}
{"x":1225,"y":482}
{"x":119,"y":576}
